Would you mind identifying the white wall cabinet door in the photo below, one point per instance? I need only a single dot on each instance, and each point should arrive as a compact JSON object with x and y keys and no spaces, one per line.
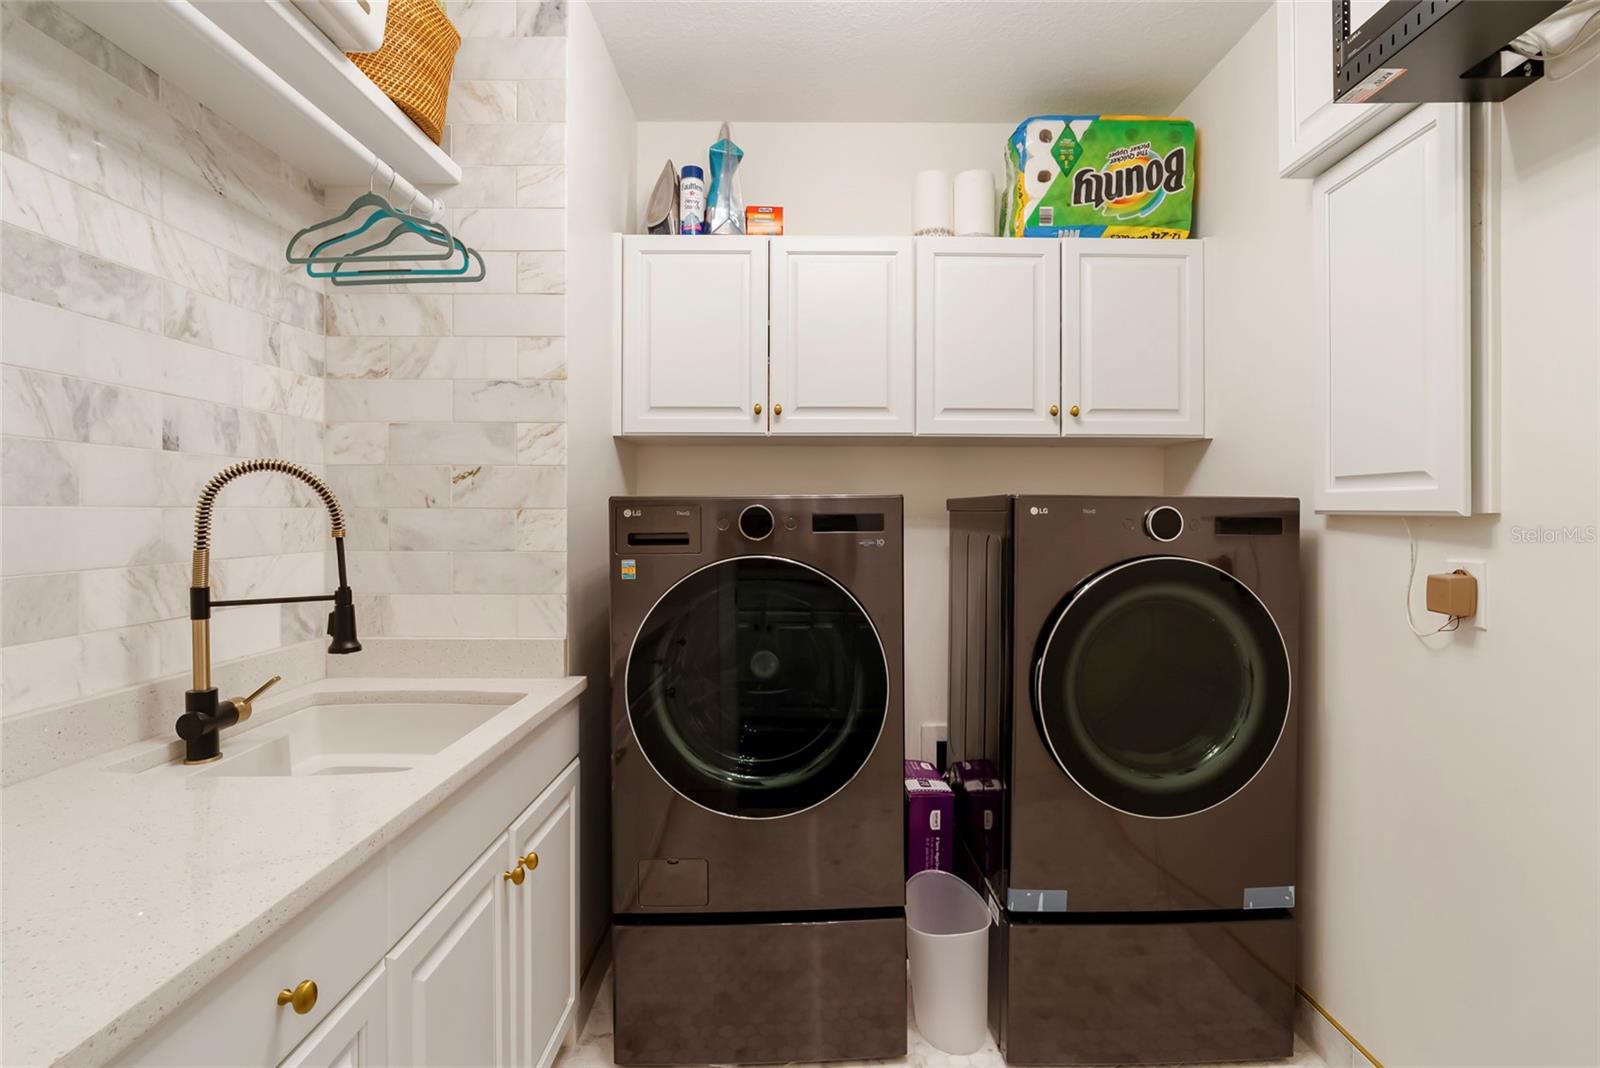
{"x":1313,"y":131}
{"x":988,"y":336}
{"x":694,"y":335}
{"x":1133,"y":338}
{"x":842,"y":350}
{"x":544,"y":921}
{"x":449,"y":995}
{"x":354,"y":1035}
{"x":1392,"y":307}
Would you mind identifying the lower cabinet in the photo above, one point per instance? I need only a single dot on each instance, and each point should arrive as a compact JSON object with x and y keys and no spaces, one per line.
{"x":544,"y":922}
{"x":354,"y":1034}
{"x":486,"y":975}
{"x":449,"y":987}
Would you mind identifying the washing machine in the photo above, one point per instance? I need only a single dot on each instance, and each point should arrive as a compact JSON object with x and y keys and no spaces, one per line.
{"x":1124,"y":669}
{"x":757,"y":829}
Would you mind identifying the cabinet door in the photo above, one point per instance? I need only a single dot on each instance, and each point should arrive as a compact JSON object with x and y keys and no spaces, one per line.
{"x":544,"y":921}
{"x":449,"y":997}
{"x":354,"y":1034}
{"x":694,"y":335}
{"x":1393,"y":346}
{"x":1313,"y":131}
{"x":988,"y":336}
{"x":842,"y":354}
{"x":1133,"y":338}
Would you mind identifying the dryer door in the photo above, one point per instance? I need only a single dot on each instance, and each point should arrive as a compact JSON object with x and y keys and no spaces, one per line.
{"x":757,"y":687}
{"x":1163,"y":686}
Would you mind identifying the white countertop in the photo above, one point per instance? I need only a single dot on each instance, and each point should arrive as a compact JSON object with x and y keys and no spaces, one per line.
{"x":123,"y":893}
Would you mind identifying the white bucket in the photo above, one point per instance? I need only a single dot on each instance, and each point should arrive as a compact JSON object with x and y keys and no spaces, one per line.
{"x":947,"y":939}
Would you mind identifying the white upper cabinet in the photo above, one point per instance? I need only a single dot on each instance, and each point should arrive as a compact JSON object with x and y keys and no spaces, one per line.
{"x":694,"y":335}
{"x":841,"y":340}
{"x":1392,"y":307}
{"x":1133,"y":338}
{"x":1313,"y":131}
{"x":989,"y":336}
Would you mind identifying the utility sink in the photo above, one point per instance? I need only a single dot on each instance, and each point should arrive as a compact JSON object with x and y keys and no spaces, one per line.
{"x":353,"y":734}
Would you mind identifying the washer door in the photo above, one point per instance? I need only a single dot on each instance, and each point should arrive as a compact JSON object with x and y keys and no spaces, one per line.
{"x":1163,"y":686}
{"x":757,"y":687}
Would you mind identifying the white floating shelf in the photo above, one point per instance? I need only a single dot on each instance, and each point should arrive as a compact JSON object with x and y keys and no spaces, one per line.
{"x":266,"y":69}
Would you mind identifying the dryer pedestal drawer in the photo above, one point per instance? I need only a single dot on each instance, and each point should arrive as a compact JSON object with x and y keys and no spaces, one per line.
{"x":1143,"y":993}
{"x":833,"y":991}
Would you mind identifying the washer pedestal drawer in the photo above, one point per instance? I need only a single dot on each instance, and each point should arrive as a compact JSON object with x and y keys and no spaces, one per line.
{"x":1143,"y":992}
{"x":749,"y":993}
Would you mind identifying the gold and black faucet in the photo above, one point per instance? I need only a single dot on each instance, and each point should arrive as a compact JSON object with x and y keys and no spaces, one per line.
{"x":204,"y":716}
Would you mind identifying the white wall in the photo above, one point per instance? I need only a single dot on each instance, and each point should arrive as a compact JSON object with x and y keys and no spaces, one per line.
{"x":830,"y":177}
{"x":927,"y":474}
{"x":1449,"y":871}
{"x":600,"y":203}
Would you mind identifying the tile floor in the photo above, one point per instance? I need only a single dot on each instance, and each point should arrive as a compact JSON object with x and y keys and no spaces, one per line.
{"x":593,"y":1049}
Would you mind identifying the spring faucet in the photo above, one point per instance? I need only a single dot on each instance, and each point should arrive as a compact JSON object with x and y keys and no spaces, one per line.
{"x":204,"y":716}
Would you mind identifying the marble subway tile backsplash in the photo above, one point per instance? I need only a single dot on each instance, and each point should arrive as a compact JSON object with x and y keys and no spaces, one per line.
{"x":151,"y":333}
{"x":447,"y":404}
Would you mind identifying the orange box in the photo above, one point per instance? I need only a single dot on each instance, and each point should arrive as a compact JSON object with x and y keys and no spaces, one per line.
{"x":763,"y":220}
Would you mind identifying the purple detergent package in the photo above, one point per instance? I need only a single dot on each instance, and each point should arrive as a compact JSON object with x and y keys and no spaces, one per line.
{"x":977,"y":792}
{"x":930,"y":819}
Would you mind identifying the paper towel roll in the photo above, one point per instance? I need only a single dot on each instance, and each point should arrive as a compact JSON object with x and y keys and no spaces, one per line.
{"x":931,"y":211}
{"x":975,"y":204}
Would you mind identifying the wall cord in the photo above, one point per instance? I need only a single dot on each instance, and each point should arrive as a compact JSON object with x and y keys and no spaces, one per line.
{"x":1450,"y":625}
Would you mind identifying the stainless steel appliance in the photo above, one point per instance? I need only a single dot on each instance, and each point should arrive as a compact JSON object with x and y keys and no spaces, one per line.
{"x":1124,"y":666}
{"x":757,"y":680}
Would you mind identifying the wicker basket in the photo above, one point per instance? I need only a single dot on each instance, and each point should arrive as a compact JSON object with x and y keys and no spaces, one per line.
{"x":413,"y":66}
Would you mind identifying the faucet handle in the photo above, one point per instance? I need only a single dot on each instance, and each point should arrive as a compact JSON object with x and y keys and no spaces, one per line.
{"x":245,"y":704}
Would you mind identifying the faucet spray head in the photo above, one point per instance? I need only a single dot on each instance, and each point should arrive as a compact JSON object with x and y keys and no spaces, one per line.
{"x":342,"y":624}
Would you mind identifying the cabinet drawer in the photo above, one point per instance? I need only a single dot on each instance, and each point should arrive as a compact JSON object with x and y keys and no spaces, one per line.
{"x":236,"y":1019}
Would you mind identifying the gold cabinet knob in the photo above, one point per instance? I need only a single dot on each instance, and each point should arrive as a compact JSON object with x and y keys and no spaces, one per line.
{"x":531,"y":861}
{"x":777,"y":409}
{"x":758,"y":407}
{"x":303,"y":998}
{"x":515,"y":875}
{"x":1073,"y":411}
{"x":1055,"y":409}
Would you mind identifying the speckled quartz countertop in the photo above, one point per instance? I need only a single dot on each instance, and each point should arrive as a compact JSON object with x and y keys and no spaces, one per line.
{"x":128,"y":885}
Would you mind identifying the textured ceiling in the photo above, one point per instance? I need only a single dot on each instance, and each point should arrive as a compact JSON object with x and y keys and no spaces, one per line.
{"x":926,"y":61}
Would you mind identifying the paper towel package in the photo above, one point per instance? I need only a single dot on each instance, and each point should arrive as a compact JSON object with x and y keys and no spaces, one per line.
{"x":1100,"y":176}
{"x":930,"y":819}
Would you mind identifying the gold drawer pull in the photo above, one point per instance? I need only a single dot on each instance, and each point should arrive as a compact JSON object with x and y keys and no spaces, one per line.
{"x":515,"y":875}
{"x":777,"y":409}
{"x":1073,"y":411}
{"x":303,"y":998}
{"x":758,"y":408}
{"x":1055,"y":409}
{"x":531,"y":860}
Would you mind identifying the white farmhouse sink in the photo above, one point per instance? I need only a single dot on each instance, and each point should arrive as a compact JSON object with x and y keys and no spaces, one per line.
{"x":359,"y":733}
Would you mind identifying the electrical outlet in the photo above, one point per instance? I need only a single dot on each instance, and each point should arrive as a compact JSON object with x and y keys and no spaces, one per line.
{"x":932,"y":735}
{"x":1478,"y":569}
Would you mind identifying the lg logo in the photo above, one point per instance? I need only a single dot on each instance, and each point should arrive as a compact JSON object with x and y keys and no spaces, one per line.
{"x":1036,"y":510}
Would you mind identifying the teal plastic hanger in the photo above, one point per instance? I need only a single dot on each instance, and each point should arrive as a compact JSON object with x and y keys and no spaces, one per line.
{"x":434,"y":235}
{"x":381,"y":209}
{"x":381,"y":276}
